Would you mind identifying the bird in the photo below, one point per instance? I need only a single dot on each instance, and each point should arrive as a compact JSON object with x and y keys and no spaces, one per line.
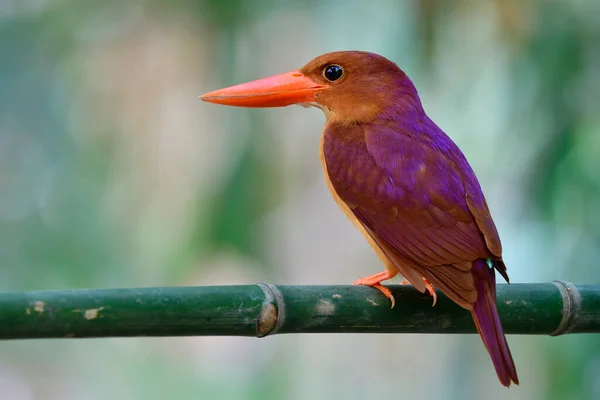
{"x":400,"y":180}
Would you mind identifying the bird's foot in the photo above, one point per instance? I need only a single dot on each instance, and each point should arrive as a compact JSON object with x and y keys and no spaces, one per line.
{"x":374,"y":281}
{"x":429,"y":288}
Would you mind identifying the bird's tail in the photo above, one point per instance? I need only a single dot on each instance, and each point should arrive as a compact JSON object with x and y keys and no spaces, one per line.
{"x":487,"y":320}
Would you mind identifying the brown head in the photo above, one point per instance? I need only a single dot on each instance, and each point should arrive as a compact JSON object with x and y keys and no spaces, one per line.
{"x":349,"y":86}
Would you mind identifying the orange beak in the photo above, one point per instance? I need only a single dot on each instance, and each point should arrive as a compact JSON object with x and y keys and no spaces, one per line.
{"x":274,"y":91}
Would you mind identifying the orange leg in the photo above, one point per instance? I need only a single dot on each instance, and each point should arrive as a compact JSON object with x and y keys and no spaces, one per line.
{"x":375,"y":282}
{"x":429,"y":288}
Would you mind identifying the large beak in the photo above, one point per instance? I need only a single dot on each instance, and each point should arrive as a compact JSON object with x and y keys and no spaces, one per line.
{"x":274,"y":91}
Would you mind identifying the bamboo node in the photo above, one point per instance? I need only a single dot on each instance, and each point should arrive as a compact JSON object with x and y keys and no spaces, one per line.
{"x":571,"y":307}
{"x":272,"y":311}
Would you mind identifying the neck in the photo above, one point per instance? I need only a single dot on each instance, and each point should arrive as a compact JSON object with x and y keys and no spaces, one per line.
{"x":394,"y":101}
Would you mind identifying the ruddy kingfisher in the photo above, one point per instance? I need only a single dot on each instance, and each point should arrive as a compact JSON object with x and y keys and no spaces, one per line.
{"x":400,"y":179}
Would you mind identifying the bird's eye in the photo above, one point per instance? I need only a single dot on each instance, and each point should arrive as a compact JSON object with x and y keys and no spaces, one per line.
{"x":333,"y":72}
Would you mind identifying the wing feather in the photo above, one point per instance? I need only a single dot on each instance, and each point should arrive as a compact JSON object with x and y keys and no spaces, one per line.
{"x":418,"y":199}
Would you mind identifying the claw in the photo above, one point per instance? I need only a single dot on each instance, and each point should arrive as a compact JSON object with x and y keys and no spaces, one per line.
{"x":375,"y":282}
{"x":429,"y":287}
{"x":387,"y":293}
{"x":431,"y":291}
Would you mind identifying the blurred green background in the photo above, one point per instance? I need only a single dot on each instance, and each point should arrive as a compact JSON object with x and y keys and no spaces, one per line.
{"x":113,"y":174}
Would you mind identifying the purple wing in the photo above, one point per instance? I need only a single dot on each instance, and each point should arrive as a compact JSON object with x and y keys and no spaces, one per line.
{"x":416,"y":195}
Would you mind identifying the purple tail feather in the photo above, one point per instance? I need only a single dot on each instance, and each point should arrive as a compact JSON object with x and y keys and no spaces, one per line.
{"x":488,"y":323}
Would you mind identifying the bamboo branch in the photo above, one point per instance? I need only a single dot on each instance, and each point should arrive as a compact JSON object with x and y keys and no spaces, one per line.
{"x":259,"y":310}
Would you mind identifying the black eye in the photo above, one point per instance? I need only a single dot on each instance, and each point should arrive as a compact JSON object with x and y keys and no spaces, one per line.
{"x":333,"y":72}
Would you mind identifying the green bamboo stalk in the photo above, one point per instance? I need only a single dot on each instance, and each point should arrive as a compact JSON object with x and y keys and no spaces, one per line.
{"x":259,"y":310}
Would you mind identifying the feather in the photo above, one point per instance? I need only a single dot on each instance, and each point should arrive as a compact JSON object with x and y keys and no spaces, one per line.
{"x":421,"y":207}
{"x":489,"y":326}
